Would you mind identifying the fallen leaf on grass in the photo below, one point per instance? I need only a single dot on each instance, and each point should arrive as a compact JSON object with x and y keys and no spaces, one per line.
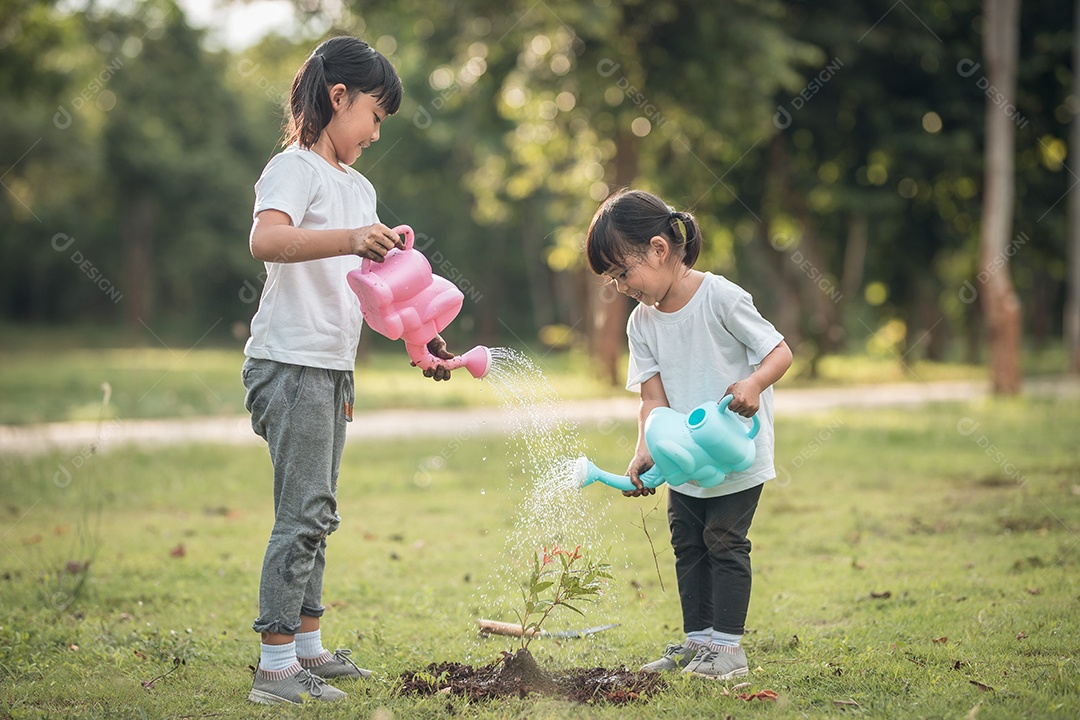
{"x":760,"y":695}
{"x":981,"y":686}
{"x":942,"y":640}
{"x":958,"y":664}
{"x":140,"y":655}
{"x":846,"y":703}
{"x":179,"y":551}
{"x":1034,"y":591}
{"x":880,"y":595}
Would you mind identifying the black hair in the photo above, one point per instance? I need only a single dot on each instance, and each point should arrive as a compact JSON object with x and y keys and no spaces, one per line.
{"x":346,"y":60}
{"x":625,"y":223}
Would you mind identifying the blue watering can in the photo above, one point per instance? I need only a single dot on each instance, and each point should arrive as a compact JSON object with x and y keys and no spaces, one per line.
{"x":703,"y":446}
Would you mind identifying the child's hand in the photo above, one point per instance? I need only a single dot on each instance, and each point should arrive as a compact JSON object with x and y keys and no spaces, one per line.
{"x":374,"y":241}
{"x":747,"y":397}
{"x":638,"y":465}
{"x":437,"y":347}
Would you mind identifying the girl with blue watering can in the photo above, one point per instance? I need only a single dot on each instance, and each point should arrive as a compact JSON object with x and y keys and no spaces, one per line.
{"x":695,"y":337}
{"x":314,"y":220}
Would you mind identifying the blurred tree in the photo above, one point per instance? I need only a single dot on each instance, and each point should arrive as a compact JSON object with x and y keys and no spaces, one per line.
{"x":133,"y":189}
{"x":1072,"y":306}
{"x":998,"y":297}
{"x":831,"y":150}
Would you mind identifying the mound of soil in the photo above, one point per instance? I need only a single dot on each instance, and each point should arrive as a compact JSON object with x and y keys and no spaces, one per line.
{"x":518,"y":675}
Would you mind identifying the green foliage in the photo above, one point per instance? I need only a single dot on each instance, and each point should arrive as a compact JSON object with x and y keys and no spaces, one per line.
{"x":127,"y":183}
{"x":555,"y":582}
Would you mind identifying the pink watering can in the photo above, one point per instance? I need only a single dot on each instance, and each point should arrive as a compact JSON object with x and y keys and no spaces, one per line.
{"x":401,"y":298}
{"x":703,"y":446}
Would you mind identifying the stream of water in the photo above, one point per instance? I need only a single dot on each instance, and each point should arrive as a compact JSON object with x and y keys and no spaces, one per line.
{"x":544,"y":446}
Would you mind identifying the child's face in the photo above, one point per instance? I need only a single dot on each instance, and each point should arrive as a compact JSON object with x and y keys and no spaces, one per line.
{"x":355,"y":124}
{"x":642,"y":278}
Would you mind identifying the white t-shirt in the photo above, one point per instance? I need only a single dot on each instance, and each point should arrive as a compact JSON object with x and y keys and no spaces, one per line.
{"x":716,"y":339}
{"x":308,"y":315}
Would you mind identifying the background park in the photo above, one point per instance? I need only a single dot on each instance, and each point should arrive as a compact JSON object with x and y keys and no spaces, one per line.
{"x":894,"y":182}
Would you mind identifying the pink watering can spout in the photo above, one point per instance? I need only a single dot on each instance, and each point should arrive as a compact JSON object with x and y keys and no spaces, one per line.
{"x":401,"y":298}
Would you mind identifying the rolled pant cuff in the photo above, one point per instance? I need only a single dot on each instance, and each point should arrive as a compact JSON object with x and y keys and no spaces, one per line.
{"x":279,"y":628}
{"x":315,"y":612}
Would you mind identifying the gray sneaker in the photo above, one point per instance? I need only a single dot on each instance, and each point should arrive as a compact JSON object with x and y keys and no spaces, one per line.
{"x":295,"y":689}
{"x":337,"y":665}
{"x":675,"y":657}
{"x":718,"y":664}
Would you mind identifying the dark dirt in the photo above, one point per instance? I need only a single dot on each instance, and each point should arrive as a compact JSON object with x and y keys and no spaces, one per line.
{"x":518,"y":675}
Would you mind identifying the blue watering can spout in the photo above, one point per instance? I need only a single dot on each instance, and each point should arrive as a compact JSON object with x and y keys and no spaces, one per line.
{"x":703,"y":446}
{"x":586,"y":473}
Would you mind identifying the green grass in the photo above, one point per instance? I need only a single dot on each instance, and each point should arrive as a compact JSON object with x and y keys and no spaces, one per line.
{"x":54,"y":385}
{"x":901,"y":557}
{"x":56,"y":374}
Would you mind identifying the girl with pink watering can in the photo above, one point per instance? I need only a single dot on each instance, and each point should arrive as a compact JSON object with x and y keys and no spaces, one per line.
{"x":695,"y":338}
{"x":314,"y":219}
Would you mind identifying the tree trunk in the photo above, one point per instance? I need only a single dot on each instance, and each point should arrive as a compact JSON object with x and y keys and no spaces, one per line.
{"x":999,"y":300}
{"x":858,"y":238}
{"x":137,"y":234}
{"x":1072,"y":304}
{"x":803,"y":264}
{"x":610,"y":309}
{"x":538,"y":274}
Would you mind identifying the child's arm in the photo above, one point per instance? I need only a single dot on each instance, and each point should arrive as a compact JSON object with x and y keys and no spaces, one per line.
{"x":274,"y":239}
{"x":748,"y":391}
{"x":653,"y":396}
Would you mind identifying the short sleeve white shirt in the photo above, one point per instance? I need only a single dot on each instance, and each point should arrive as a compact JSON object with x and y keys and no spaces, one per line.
{"x":307,"y":314}
{"x":717,"y":338}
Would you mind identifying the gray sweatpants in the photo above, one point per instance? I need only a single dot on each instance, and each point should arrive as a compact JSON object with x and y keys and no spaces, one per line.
{"x":302,"y":413}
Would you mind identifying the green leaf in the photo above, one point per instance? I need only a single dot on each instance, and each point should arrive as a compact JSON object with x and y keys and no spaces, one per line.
{"x":541,"y":587}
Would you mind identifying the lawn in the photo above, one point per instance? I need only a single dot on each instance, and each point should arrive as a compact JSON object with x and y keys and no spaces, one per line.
{"x":55,"y":375}
{"x":908,"y":563}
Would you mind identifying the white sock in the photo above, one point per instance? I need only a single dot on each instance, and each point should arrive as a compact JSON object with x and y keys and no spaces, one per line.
{"x":309,"y":644}
{"x":277,"y":657}
{"x":725,"y":639}
{"x":699,"y":637}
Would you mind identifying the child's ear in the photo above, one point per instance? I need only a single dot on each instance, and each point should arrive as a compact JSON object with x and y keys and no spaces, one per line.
{"x":339,"y":96}
{"x":659,"y":245}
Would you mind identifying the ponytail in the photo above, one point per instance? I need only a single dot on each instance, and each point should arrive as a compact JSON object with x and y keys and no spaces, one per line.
{"x":625,"y":223}
{"x":346,"y":60}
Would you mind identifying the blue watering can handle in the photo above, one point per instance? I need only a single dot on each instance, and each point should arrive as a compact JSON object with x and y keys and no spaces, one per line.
{"x":726,"y":400}
{"x":410,"y":238}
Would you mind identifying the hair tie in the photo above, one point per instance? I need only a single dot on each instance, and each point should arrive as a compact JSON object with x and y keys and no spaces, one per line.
{"x":680,"y":223}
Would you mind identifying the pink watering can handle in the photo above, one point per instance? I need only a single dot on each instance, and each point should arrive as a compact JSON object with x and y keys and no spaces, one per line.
{"x":405,"y":230}
{"x":726,"y":400}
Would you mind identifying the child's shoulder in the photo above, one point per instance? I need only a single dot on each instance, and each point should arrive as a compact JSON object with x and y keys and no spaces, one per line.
{"x":721,"y":285}
{"x":294,"y":157}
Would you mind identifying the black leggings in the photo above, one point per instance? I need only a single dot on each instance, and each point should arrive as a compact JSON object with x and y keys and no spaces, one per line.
{"x":712,"y":558}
